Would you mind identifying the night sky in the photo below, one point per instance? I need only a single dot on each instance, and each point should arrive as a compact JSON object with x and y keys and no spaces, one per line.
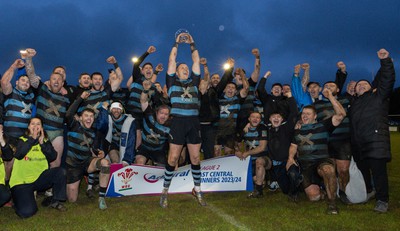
{"x":80,"y":35}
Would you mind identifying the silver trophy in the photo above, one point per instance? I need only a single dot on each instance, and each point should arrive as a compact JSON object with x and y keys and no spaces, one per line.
{"x":183,"y":38}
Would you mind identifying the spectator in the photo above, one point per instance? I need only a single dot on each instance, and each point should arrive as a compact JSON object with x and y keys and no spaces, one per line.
{"x":370,"y":135}
{"x":31,"y":173}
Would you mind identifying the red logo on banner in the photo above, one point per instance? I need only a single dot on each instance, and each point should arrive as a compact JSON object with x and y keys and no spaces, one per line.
{"x":126,"y":177}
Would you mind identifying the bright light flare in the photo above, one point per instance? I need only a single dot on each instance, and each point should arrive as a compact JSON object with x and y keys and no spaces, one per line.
{"x":22,"y":51}
{"x":134,"y":59}
{"x":227,"y":66}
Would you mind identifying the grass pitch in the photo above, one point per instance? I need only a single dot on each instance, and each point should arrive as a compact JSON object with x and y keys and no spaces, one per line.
{"x":225,"y":211}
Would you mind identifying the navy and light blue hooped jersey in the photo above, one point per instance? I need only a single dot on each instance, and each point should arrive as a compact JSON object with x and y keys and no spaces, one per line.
{"x":312,"y":140}
{"x":121,"y":95}
{"x":80,"y":142}
{"x":133,"y":103}
{"x":325,"y":111}
{"x":154,"y":134}
{"x":259,"y":107}
{"x":229,"y":107}
{"x":253,"y":137}
{"x":51,"y":108}
{"x":19,"y":109}
{"x":248,"y":101}
{"x":116,"y":130}
{"x":95,"y":101}
{"x":184,"y":95}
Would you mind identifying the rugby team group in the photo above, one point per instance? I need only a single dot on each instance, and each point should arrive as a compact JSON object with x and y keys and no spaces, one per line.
{"x":300,"y":136}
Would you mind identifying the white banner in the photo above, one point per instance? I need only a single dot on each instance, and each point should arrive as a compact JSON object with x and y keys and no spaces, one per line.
{"x":227,"y":173}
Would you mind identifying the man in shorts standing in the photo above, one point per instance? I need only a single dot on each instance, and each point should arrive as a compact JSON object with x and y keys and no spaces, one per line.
{"x":183,"y":90}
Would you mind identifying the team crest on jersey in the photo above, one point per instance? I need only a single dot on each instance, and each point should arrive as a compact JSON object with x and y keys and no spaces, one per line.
{"x":186,"y":96}
{"x":306,"y":139}
{"x":251,"y":144}
{"x":87,"y":141}
{"x":54,"y":108}
{"x":225,"y":109}
{"x":264,"y":133}
{"x":27,"y":108}
{"x":95,"y":107}
{"x":153,"y":137}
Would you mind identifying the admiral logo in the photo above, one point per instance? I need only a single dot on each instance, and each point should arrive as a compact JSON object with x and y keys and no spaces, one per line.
{"x":152,"y":178}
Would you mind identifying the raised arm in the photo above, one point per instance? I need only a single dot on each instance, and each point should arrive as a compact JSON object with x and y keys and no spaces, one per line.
{"x":262,"y":92}
{"x":298,"y":88}
{"x":195,"y":55}
{"x":69,"y":116}
{"x":385,"y":77}
{"x":136,"y":72}
{"x":296,"y":84}
{"x":340,"y":113}
{"x":245,"y":90}
{"x":129,"y":82}
{"x":8,"y":75}
{"x":30,"y":69}
{"x":291,"y":117}
{"x":341,"y":76}
{"x":159,"y":68}
{"x":204,"y":83}
{"x":144,"y":97}
{"x":257,"y":65}
{"x":226,"y":77}
{"x":172,"y":58}
{"x":306,"y":76}
{"x":116,"y":77}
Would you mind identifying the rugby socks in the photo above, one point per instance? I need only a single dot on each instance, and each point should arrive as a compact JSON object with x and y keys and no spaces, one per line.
{"x":102,"y":192}
{"x":259,"y":189}
{"x":196,"y":173}
{"x":90,"y":181}
{"x":168,"y":174}
{"x":93,"y":180}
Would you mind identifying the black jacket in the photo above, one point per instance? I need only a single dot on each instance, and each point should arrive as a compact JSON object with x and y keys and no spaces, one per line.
{"x":370,"y":135}
{"x":209,"y":107}
{"x":271,"y":103}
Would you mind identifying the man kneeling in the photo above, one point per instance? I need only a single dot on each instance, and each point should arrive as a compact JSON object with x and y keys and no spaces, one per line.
{"x":310,"y":141}
{"x":83,"y":157}
{"x":255,"y":138}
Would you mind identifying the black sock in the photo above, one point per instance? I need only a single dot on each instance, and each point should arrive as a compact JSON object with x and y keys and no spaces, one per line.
{"x":259,"y":188}
{"x":102,"y":192}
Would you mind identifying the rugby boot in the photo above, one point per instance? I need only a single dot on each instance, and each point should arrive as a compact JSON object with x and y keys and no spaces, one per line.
{"x":164,"y":199}
{"x":199,"y":197}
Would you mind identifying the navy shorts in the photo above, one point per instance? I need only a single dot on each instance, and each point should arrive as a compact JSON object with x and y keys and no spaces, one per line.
{"x":340,"y":150}
{"x":158,"y":157}
{"x":185,"y":130}
{"x":77,"y":170}
{"x":310,"y":171}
